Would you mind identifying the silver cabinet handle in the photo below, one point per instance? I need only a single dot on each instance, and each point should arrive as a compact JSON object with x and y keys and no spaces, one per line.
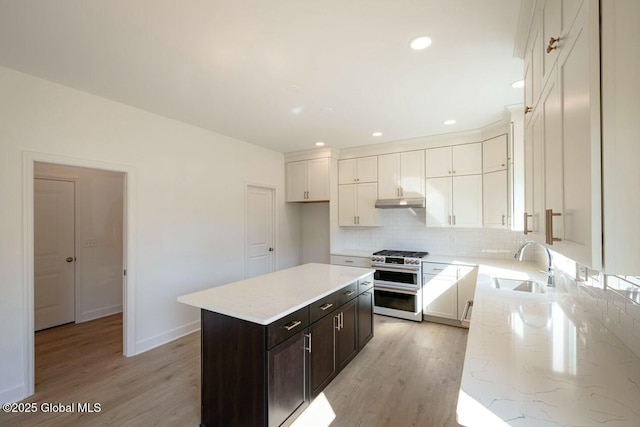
{"x":449,"y":219}
{"x":308,"y":348}
{"x":502,"y":219}
{"x":350,"y":261}
{"x":292,"y":324}
{"x":467,"y":306}
{"x":365,"y":283}
{"x":454,"y":218}
{"x":325,"y":307}
{"x":349,"y":293}
{"x":354,"y":220}
{"x":366,"y":293}
{"x":341,"y":320}
{"x":336,"y":322}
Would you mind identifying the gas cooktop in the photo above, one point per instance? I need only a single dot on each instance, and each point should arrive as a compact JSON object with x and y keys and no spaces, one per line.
{"x":404,"y":254}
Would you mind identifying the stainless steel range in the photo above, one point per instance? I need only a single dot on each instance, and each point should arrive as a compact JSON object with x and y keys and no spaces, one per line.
{"x":398,"y":283}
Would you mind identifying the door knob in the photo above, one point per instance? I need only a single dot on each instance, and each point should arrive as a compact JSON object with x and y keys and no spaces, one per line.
{"x":270,"y":249}
{"x":69,"y":259}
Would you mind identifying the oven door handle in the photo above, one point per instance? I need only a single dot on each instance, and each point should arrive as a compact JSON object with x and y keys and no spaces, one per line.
{"x":396,"y":290}
{"x":387,"y":267}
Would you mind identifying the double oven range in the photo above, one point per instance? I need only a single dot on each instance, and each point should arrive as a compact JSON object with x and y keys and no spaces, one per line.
{"x":398,"y":283}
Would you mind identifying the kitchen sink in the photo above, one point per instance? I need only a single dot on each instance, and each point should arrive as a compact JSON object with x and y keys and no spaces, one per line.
{"x":518,"y":285}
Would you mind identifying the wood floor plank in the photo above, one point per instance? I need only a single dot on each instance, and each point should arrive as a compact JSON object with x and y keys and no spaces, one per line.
{"x":408,"y":375}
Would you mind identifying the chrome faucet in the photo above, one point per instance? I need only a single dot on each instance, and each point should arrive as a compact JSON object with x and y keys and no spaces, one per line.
{"x":551,"y":280}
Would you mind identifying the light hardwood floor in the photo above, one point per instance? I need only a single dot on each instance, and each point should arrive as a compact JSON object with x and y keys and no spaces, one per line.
{"x":408,"y":375}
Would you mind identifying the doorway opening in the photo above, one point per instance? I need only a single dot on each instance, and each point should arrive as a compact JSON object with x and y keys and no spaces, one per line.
{"x":91,"y":277}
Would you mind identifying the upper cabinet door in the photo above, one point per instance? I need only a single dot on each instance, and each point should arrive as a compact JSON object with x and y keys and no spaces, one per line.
{"x":389,"y":176}
{"x":494,"y":154}
{"x":367,"y":214}
{"x":495,"y":199}
{"x":296,"y":181}
{"x":467,"y":159}
{"x":438,"y":162}
{"x":551,"y":35}
{"x":466,"y":200}
{"x":412,"y":174}
{"x":318,"y":179}
{"x":367,"y":169}
{"x":347,"y":171}
{"x":347,"y":200}
{"x":438,"y":202}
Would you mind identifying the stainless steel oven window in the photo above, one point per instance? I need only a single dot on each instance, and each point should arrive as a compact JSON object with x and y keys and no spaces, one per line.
{"x":394,"y":276}
{"x":396,"y":300}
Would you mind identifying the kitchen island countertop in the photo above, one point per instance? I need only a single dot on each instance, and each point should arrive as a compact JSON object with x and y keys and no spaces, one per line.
{"x":267,"y":298}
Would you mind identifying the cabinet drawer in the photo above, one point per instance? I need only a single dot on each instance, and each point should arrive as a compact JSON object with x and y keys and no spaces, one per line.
{"x":439,"y":268}
{"x":286,"y":327}
{"x":365,"y":284}
{"x":347,"y":293}
{"x":323,"y":306}
{"x":351,"y":261}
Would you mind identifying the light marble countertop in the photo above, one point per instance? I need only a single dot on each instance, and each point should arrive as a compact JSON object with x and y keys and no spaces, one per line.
{"x":541,"y":359}
{"x":267,"y":298}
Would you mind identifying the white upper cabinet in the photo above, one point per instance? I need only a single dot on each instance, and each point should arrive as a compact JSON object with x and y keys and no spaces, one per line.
{"x":533,"y":170}
{"x":454,"y":201}
{"x":463,"y":159}
{"x":439,"y":162}
{"x":494,"y":154}
{"x":466,"y":159}
{"x":562,"y":135}
{"x":362,"y":169}
{"x":621,"y":133}
{"x":496,"y":199}
{"x":356,"y":205}
{"x":401,"y":175}
{"x":307,"y":180}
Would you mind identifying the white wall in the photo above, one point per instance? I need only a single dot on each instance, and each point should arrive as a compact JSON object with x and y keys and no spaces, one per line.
{"x":189,"y":198}
{"x":99,"y":268}
{"x":315,"y":232}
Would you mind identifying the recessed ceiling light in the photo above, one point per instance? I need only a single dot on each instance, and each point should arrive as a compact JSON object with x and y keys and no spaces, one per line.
{"x":449,"y":122}
{"x":517,"y":85}
{"x":296,"y":110}
{"x":319,"y":144}
{"x":420,"y":43}
{"x":376,"y":134}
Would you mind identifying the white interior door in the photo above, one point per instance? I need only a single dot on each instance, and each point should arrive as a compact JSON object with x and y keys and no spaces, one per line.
{"x":54,"y":253}
{"x":259,"y":231}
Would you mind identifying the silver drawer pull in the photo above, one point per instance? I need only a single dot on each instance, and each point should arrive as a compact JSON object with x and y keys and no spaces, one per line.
{"x":325,"y":307}
{"x":293,"y":324}
{"x":349,"y":293}
{"x":437,"y":269}
{"x":348,"y":260}
{"x":365,"y":283}
{"x":366,"y":293}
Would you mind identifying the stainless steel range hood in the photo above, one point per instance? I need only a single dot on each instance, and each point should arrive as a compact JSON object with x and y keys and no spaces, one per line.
{"x":413,"y":203}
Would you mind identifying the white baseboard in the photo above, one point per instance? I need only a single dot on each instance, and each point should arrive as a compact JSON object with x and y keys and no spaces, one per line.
{"x":13,"y":394}
{"x":165,"y":337}
{"x":100,"y":312}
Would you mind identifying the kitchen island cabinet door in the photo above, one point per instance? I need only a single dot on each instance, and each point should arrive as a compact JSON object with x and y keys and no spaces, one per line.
{"x":322,"y":366}
{"x":365,"y":318}
{"x":287,"y":384}
{"x":346,"y":335}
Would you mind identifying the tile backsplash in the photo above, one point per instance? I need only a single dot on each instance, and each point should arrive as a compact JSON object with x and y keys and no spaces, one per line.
{"x":613,"y":300}
{"x":405,"y":229}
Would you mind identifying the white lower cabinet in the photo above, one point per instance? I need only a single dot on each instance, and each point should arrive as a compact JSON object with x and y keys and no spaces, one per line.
{"x":446,"y":289}
{"x":356,"y":205}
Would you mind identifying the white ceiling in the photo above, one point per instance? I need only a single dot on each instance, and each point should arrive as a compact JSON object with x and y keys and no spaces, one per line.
{"x":240,"y":67}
